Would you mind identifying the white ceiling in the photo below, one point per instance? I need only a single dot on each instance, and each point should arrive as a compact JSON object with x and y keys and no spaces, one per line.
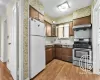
{"x":50,"y":6}
{"x":3,"y":4}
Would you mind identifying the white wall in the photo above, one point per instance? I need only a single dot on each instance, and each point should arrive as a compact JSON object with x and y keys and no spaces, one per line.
{"x":7,"y":15}
{"x":0,"y":37}
{"x":3,"y":59}
{"x":9,"y":24}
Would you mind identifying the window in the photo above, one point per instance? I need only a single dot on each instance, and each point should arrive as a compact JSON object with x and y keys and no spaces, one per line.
{"x":60,"y":31}
{"x":66,"y":31}
{"x":63,"y":31}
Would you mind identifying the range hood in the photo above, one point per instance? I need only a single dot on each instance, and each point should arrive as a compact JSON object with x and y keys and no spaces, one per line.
{"x":82,"y":26}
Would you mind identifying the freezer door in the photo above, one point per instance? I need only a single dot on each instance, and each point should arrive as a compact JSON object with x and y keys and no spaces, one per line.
{"x":41,"y":29}
{"x":37,"y":28}
{"x":33,"y":27}
{"x":37,"y":55}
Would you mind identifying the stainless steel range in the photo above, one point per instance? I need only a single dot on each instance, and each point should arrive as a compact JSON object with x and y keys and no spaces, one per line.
{"x":82,"y":46}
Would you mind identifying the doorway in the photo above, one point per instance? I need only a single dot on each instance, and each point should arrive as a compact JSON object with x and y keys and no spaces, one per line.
{"x":13,"y":59}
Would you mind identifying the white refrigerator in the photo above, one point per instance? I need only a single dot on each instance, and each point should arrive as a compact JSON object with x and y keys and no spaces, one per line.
{"x":37,"y":47}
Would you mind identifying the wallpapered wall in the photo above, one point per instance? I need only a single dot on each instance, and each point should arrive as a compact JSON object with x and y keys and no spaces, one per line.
{"x":37,"y":5}
{"x":76,"y":14}
{"x":48,"y":18}
{"x":25,"y":42}
{"x":66,"y":18}
{"x":82,"y":12}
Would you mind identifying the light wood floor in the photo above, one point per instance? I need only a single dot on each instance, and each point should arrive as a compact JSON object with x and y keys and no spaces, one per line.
{"x":59,"y":70}
{"x":4,"y":72}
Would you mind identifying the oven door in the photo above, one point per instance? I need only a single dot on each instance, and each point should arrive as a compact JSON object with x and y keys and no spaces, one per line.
{"x":82,"y":54}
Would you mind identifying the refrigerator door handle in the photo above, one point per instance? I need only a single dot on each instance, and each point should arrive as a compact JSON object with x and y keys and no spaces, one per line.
{"x":37,"y":35}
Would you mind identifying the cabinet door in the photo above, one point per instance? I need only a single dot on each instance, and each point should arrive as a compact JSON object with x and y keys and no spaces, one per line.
{"x":64,"y":54}
{"x":36,"y":14}
{"x":58,"y":53}
{"x":67,"y":54}
{"x":69,"y":51}
{"x":33,"y":13}
{"x":49,"y":55}
{"x":71,"y":31}
{"x":48,"y":29}
{"x":81,"y":21}
{"x":53,"y":31}
{"x":53,"y":52}
{"x":41,"y":17}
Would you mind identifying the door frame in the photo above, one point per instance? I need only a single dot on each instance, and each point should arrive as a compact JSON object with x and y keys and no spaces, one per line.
{"x":20,"y":7}
{"x":21,"y":37}
{"x":96,"y":67}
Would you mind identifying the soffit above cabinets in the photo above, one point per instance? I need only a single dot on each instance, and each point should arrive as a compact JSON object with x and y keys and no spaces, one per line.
{"x":50,"y":6}
{"x":3,"y":4}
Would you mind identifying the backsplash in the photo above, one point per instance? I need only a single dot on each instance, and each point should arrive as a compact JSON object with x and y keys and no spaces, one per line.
{"x":55,"y":40}
{"x":50,"y":40}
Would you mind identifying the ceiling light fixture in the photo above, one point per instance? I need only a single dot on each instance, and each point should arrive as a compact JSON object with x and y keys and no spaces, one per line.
{"x":64,"y":6}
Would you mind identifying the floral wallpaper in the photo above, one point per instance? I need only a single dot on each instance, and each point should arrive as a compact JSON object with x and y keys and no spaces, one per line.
{"x":82,"y":12}
{"x":76,"y":14}
{"x":48,"y":18}
{"x":25,"y":44}
{"x":37,"y":5}
{"x":65,"y":18}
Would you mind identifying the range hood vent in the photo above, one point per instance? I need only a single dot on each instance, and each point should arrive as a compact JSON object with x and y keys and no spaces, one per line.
{"x":82,"y":26}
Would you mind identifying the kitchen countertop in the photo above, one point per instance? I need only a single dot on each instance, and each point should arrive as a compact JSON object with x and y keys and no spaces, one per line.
{"x":62,"y":45}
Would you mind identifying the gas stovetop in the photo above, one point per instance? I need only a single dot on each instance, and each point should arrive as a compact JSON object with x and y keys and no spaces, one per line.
{"x":82,"y":45}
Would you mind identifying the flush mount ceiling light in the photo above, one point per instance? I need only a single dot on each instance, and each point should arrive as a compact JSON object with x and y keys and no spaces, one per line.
{"x":64,"y":6}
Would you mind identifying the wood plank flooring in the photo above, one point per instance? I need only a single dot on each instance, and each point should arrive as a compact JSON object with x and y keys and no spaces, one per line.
{"x":59,"y":70}
{"x":4,"y":72}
